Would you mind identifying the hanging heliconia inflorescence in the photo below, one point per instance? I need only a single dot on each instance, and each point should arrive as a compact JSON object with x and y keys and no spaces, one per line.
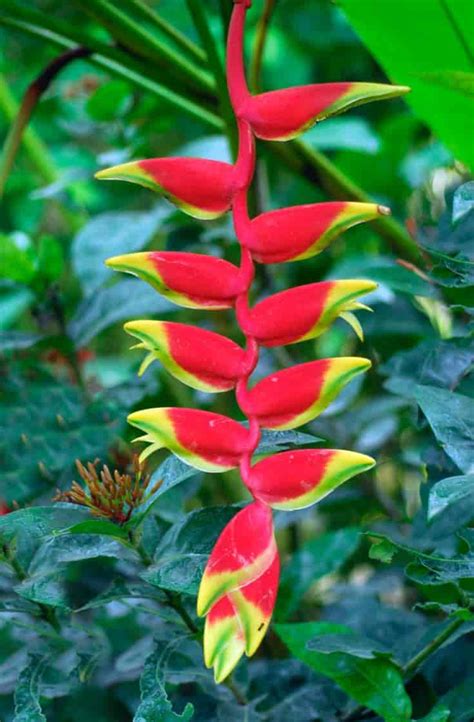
{"x":239,"y":585}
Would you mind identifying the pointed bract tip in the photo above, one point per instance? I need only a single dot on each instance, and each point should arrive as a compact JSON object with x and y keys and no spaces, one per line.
{"x":384,"y":210}
{"x":117,"y":172}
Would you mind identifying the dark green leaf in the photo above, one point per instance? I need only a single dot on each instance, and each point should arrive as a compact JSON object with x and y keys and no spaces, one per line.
{"x":183,"y":552}
{"x":450,"y":417}
{"x":375,"y":683}
{"x":155,"y":705}
{"x":111,"y":234}
{"x":27,"y":692}
{"x":447,"y":492}
{"x":348,"y":643}
{"x":127,"y":299}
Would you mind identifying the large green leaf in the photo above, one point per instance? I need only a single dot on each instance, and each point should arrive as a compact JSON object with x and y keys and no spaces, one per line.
{"x":375,"y":683}
{"x":415,"y":41}
{"x":27,"y":704}
{"x":450,"y":491}
{"x":183,"y":552}
{"x":450,"y":417}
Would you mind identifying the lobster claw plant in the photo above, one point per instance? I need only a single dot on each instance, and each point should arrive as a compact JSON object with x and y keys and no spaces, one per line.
{"x":239,"y":586}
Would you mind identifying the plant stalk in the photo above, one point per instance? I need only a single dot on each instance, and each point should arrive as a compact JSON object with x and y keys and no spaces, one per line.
{"x":27,"y":107}
{"x":260,"y":39}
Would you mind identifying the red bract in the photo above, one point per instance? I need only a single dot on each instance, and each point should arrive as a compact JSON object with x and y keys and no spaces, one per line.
{"x":284,"y":114}
{"x":201,"y":359}
{"x":200,"y":188}
{"x":293,"y":234}
{"x":4,"y":509}
{"x":187,"y":279}
{"x":301,"y":313}
{"x":239,"y":585}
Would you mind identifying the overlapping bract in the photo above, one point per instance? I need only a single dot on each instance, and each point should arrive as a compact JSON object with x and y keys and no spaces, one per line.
{"x":239,"y":585}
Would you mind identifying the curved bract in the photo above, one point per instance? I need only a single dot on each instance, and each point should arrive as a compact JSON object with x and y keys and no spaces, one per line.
{"x":292,"y":397}
{"x":285,"y":114}
{"x":209,"y":442}
{"x":201,"y":188}
{"x":239,"y":585}
{"x":191,"y":280}
{"x":303,"y":312}
{"x":296,"y":479}
{"x":201,"y":359}
{"x":297,"y":233}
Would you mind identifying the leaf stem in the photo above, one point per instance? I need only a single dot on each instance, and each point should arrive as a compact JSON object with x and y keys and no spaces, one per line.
{"x":259,"y":46}
{"x":202,"y":26}
{"x":416,"y":661}
{"x":28,"y":105}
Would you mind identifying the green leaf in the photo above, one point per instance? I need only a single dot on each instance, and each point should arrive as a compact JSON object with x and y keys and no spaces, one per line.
{"x":184,"y":550}
{"x":50,"y":258}
{"x":99,"y":526}
{"x":463,"y":200}
{"x":67,"y":548}
{"x":40,"y":441}
{"x":15,"y":340}
{"x":120,"y":590}
{"x":155,"y":705}
{"x":16,"y":263}
{"x":127,"y":299}
{"x":26,"y":528}
{"x":375,"y":683}
{"x":460,"y":701}
{"x":281,"y":440}
{"x":171,"y":472}
{"x":27,"y":692}
{"x":396,"y":34}
{"x":13,"y":302}
{"x":431,"y":363}
{"x":348,"y":643}
{"x":453,"y":80}
{"x":314,"y":560}
{"x":440,"y":713}
{"x":450,"y":491}
{"x":450,"y":417}
{"x":110,"y":101}
{"x":110,"y":234}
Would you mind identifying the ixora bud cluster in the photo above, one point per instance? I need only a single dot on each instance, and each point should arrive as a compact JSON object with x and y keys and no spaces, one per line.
{"x":239,"y":585}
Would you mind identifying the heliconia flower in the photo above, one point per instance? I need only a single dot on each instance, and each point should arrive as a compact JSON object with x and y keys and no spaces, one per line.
{"x":209,"y":442}
{"x":201,"y":359}
{"x":299,"y":232}
{"x":284,"y":114}
{"x":303,"y":312}
{"x":191,"y":280}
{"x":238,"y":622}
{"x":4,"y":509}
{"x":292,"y":397}
{"x":296,"y":479}
{"x":201,"y":188}
{"x":244,"y":551}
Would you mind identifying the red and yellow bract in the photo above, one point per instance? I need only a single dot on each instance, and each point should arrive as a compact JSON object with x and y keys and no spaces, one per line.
{"x":239,"y":585}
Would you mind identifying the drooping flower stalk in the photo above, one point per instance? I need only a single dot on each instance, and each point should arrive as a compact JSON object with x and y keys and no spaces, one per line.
{"x":239,"y":586}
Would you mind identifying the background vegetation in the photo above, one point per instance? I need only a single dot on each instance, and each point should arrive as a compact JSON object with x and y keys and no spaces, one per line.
{"x":374,"y":613}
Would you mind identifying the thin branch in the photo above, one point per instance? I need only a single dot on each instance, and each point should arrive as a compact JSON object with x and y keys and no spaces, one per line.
{"x":28,"y":105}
{"x":260,"y":39}
{"x":416,"y":661}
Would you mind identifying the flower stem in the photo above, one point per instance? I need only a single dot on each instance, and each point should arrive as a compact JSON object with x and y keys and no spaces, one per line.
{"x":260,"y":38}
{"x":416,"y":661}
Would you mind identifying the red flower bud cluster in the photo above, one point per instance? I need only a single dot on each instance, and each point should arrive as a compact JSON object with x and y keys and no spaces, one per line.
{"x":239,"y":585}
